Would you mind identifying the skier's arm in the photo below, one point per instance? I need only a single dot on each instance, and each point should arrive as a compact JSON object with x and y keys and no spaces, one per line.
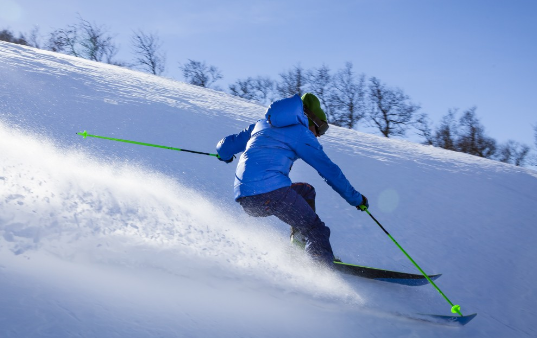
{"x":311,"y":151}
{"x":233,"y":144}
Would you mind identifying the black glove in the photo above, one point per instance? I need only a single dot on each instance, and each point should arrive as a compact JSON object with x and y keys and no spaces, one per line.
{"x":227,"y":161}
{"x":365,"y":203}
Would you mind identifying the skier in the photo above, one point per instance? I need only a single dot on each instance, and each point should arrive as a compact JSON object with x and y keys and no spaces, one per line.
{"x":270,"y":146}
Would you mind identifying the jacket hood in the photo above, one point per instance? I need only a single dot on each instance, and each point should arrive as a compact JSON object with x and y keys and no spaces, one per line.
{"x":286,"y":112}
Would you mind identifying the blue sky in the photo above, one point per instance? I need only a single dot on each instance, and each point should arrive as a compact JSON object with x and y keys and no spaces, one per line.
{"x":443,"y":54}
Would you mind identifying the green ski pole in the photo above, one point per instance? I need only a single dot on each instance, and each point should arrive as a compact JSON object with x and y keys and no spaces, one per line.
{"x":454,"y":308}
{"x":85,"y":134}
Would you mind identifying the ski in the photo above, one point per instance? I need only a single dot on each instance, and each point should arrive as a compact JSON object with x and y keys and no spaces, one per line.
{"x":383,"y":275}
{"x":453,"y":320}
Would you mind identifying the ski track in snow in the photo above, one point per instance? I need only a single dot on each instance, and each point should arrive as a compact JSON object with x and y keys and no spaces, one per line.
{"x":100,"y":238}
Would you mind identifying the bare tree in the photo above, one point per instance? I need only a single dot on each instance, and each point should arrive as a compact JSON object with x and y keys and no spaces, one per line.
{"x":423,"y":126}
{"x":243,"y":89}
{"x":513,"y":152}
{"x":146,"y":48}
{"x":472,"y":138}
{"x":445,"y":135}
{"x":264,"y":86}
{"x":533,"y":157}
{"x":467,"y":135}
{"x":95,"y":42}
{"x":347,"y":97}
{"x":86,"y":40}
{"x":390,"y":110}
{"x":199,"y":74}
{"x":319,"y":82}
{"x":9,"y":36}
{"x":34,"y":38}
{"x":535,"y":135}
{"x":259,"y":89}
{"x":64,"y":40}
{"x":292,"y":82}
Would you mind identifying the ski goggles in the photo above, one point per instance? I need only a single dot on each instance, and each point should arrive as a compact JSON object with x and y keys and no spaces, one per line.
{"x":320,"y":126}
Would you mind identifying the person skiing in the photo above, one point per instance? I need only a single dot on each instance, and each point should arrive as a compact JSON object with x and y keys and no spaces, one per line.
{"x":288,"y":131}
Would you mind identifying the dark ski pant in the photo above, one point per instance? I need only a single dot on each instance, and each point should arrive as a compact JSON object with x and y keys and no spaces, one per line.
{"x":295,"y":205}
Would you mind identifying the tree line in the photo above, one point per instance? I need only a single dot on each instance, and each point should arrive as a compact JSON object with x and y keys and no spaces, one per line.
{"x":349,"y":97}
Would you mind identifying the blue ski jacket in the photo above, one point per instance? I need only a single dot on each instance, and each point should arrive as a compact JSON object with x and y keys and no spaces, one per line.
{"x":271,"y":146}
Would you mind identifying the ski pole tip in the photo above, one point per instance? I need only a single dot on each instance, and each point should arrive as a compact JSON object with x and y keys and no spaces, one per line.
{"x":84,"y":134}
{"x":456,"y":309}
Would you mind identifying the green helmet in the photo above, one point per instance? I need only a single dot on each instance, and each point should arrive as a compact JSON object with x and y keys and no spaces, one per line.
{"x":311,"y":102}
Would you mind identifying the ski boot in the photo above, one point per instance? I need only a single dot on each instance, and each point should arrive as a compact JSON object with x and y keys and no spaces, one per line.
{"x":298,"y":239}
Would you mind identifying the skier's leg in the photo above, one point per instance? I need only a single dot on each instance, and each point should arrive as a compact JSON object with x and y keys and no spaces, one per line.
{"x":294,"y":210}
{"x":256,"y":205}
{"x":307,"y":191}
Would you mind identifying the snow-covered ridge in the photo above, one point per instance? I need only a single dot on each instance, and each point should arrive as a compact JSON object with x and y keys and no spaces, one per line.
{"x":100,"y":238}
{"x":131,"y":86}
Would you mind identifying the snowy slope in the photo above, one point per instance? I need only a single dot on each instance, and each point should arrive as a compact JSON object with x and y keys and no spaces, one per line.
{"x":101,"y":238}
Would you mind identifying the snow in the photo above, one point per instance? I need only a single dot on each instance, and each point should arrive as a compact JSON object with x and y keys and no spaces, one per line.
{"x":107,"y":239}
